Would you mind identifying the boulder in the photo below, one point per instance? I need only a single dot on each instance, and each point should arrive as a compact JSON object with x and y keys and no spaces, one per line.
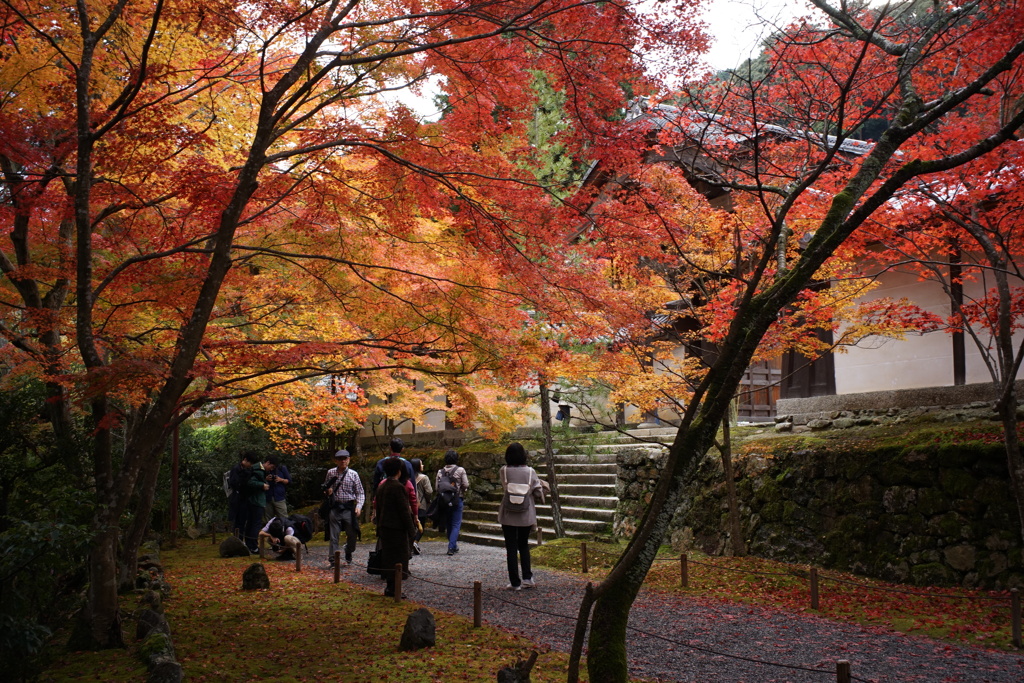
{"x":232,"y":546}
{"x":419,"y":631}
{"x":152,"y":599}
{"x":255,"y":578}
{"x":148,"y":621}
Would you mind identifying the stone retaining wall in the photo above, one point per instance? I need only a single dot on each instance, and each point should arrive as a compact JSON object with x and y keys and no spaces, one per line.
{"x":942,"y":516}
{"x":967,"y":402}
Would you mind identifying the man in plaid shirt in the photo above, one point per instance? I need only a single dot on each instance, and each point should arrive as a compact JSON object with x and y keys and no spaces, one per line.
{"x":345,"y":490}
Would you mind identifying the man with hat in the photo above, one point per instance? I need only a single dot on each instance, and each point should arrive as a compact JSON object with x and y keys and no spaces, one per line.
{"x":345,"y":491}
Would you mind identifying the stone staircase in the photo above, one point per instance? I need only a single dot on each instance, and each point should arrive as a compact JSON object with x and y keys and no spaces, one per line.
{"x":586,"y":472}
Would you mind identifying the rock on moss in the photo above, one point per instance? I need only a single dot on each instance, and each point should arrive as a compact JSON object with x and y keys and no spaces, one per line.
{"x":255,"y":578}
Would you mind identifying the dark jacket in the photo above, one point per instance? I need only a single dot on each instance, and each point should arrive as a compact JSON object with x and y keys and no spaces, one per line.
{"x":395,"y":527}
{"x":392,"y":506}
{"x":254,"y":492}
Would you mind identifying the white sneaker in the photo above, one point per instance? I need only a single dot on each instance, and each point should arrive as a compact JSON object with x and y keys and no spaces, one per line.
{"x":528,"y":583}
{"x":510,"y":587}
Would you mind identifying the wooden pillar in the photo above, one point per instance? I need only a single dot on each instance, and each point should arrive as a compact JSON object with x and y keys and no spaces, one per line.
{"x":477,"y":604}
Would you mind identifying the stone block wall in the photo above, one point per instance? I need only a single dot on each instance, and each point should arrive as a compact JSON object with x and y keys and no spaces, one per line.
{"x":937,"y":516}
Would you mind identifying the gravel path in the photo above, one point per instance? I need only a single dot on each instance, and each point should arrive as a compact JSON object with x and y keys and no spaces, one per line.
{"x":676,"y":638}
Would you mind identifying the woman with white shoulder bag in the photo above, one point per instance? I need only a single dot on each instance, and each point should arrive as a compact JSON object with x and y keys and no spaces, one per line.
{"x":518,"y":513}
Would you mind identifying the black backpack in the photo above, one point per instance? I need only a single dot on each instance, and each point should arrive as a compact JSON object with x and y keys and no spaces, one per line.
{"x":447,"y":491}
{"x":303,"y":528}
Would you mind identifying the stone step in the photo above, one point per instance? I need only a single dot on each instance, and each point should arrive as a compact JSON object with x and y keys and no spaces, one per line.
{"x":610,"y":436}
{"x":616,"y":447}
{"x":563,"y":468}
{"x":571,"y":478}
{"x":489,"y":510}
{"x":588,"y":490}
{"x":489,"y":533}
{"x":608,"y":501}
{"x":575,"y":458}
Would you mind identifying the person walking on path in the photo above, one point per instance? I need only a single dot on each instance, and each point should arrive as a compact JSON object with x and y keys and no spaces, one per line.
{"x":423,"y":493}
{"x":276,"y":495}
{"x":408,"y":476}
{"x":448,"y":477}
{"x":396,"y":453}
{"x":396,"y":524}
{"x":517,"y":513}
{"x":345,"y":491}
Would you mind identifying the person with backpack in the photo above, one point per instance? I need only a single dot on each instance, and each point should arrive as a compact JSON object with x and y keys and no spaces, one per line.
{"x":408,"y":477}
{"x":396,"y":452}
{"x":452,"y":483}
{"x":280,"y":534}
{"x":517,"y":513}
{"x":423,"y":493}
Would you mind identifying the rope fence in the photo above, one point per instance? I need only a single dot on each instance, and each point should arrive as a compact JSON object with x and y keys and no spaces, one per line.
{"x":814,"y":578}
{"x":842,"y":673}
{"x":842,"y":666}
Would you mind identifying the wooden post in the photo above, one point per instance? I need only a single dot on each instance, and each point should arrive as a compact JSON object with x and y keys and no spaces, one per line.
{"x":1015,"y":616}
{"x":213,"y":532}
{"x":540,"y":536}
{"x":843,"y":671}
{"x":337,"y":566}
{"x":684,"y":571}
{"x":477,"y":604}
{"x":298,"y":557}
{"x":814,"y":588}
{"x":583,"y":551}
{"x":398,"y":582}
{"x":263,"y":542}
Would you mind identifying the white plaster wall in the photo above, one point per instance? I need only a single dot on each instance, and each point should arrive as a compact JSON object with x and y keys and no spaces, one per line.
{"x":977,"y":371}
{"x":920,"y":360}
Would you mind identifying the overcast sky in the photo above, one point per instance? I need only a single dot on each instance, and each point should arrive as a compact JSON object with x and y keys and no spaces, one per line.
{"x":738,"y":26}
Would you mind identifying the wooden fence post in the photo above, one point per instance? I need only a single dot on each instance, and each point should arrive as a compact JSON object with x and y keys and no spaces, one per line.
{"x":263,"y":542}
{"x":814,"y":588}
{"x":213,"y":532}
{"x":298,"y":557}
{"x":540,"y":535}
{"x":337,"y":566}
{"x":477,"y":604}
{"x":1015,"y":616}
{"x":583,"y":550}
{"x":843,"y":671}
{"x":398,"y":582}
{"x":684,"y":571}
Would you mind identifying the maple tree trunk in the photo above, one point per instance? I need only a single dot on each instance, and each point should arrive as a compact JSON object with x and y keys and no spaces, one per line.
{"x":606,"y":654}
{"x":739,"y":548}
{"x":1014,"y":457}
{"x":141,"y":523}
{"x":549,"y":459}
{"x":99,"y":626}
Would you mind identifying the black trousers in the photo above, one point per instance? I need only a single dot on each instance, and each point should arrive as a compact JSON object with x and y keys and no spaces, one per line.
{"x":517,"y":550}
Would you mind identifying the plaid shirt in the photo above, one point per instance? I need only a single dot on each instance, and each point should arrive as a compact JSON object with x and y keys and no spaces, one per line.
{"x":349,"y":488}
